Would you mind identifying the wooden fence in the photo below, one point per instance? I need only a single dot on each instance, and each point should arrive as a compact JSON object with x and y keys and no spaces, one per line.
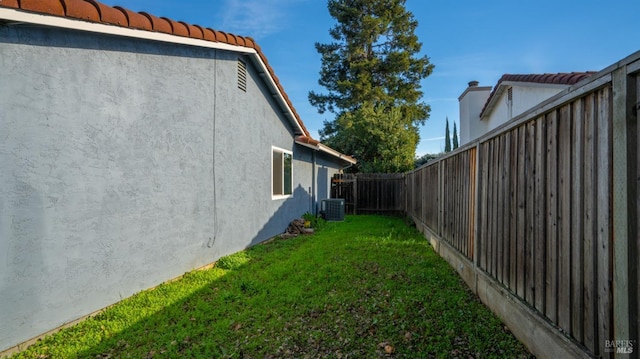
{"x":547,"y":207}
{"x":366,"y":193}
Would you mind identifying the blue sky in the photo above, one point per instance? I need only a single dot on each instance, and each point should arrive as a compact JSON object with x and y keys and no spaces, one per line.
{"x":465,"y":40}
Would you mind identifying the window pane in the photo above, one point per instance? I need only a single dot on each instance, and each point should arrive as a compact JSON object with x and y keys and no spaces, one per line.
{"x":287,"y":173}
{"x":277,"y":173}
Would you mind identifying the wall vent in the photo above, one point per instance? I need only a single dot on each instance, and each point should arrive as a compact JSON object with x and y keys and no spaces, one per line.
{"x":332,"y":209}
{"x":242,"y":75}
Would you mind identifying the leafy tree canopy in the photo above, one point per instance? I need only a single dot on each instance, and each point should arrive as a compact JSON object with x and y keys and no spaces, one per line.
{"x":372,"y":69}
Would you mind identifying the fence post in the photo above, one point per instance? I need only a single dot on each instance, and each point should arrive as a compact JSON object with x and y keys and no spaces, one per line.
{"x":476,"y":217}
{"x":355,"y":193}
{"x":441,"y":196}
{"x":624,"y":197}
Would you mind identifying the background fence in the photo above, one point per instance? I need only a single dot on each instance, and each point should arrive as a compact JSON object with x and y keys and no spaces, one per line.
{"x":548,"y":207}
{"x":366,"y":193}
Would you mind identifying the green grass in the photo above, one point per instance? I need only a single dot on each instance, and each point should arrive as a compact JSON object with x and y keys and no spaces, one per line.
{"x":367,"y":287}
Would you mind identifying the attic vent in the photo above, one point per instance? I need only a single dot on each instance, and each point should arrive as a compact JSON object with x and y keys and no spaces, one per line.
{"x":242,"y":75}
{"x":510,"y":94}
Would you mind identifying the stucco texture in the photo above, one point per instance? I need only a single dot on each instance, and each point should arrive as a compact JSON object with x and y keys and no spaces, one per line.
{"x":126,"y":163}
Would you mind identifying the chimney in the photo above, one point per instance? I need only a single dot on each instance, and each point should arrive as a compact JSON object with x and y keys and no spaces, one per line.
{"x":471,"y":103}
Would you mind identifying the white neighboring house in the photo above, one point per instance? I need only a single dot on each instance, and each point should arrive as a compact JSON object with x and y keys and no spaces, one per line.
{"x":483,"y":108}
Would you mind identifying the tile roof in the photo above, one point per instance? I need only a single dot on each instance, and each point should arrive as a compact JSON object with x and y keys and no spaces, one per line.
{"x":96,"y":12}
{"x":563,"y":78}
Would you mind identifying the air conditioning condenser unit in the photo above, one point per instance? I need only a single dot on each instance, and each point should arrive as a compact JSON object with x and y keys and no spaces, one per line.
{"x":332,"y":209}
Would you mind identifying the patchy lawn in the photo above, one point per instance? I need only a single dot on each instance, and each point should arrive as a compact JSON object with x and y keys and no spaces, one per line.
{"x":369,"y":287}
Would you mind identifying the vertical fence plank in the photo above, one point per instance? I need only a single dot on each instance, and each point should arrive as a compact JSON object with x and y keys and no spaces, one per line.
{"x":530,"y":242}
{"x":590,"y":285}
{"x":564,"y":218}
{"x":635,"y":252}
{"x":521,"y":230}
{"x":506,"y":210}
{"x":577,"y":220}
{"x":473,"y":196}
{"x":540,"y":214}
{"x":500,"y":210}
{"x":604,"y":225}
{"x":482,"y":240}
{"x":513,"y":212}
{"x":552,"y":216}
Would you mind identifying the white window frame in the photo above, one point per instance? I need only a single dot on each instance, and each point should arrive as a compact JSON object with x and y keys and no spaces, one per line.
{"x":282,"y":194}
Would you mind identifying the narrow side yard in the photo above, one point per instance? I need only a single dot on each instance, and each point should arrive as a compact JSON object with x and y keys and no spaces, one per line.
{"x":370,"y":286}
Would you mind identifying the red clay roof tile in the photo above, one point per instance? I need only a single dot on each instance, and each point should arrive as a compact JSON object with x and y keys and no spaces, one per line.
{"x":111,"y":15}
{"x":81,"y":9}
{"x":231,"y":38}
{"x":10,"y":3}
{"x":209,"y":34}
{"x":94,"y":11}
{"x":180,"y":28}
{"x":158,"y":24}
{"x":221,"y":36}
{"x":248,"y":42}
{"x":53,"y":7}
{"x":136,"y":21}
{"x":196,"y":31}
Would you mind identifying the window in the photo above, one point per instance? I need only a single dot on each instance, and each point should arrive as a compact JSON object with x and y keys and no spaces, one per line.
{"x":281,"y":169}
{"x":510,"y":102}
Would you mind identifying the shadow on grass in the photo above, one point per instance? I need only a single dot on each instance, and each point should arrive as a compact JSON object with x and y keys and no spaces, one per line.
{"x":366,"y":287}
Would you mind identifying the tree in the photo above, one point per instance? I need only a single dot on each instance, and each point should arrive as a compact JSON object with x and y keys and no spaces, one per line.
{"x":377,"y":138}
{"x":447,"y":138}
{"x":372,"y":74}
{"x":455,"y":136}
{"x":426,"y":159}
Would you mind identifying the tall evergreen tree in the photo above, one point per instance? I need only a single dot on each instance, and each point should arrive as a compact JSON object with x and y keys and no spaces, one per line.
{"x":455,"y":136}
{"x":372,"y":74}
{"x":447,"y":137}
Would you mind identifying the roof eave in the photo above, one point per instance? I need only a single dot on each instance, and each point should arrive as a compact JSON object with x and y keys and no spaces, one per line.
{"x":22,"y":17}
{"x":318,"y":146}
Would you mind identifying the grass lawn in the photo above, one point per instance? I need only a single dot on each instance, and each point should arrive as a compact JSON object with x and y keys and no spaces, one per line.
{"x":367,"y":287}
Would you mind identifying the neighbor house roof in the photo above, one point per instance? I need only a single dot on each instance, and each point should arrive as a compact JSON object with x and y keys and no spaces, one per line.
{"x":91,"y":15}
{"x":507,"y":80}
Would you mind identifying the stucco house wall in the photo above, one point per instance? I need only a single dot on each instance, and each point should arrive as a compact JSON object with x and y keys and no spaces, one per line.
{"x":127,"y":162}
{"x":524,"y":97}
{"x":470,"y":106}
{"x":483,"y":109}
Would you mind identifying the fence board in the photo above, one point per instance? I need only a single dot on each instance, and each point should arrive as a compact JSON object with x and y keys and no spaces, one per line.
{"x":605,"y":229}
{"x":473,"y":171}
{"x":577,"y":221}
{"x":552,"y":217}
{"x":513,"y":210}
{"x":530,"y":238}
{"x":564,"y":217}
{"x":506,"y":209}
{"x":520,"y":221}
{"x":590,"y":336}
{"x":484,"y":206}
{"x":540,"y":215}
{"x":496,"y":209}
{"x":499,"y":210}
